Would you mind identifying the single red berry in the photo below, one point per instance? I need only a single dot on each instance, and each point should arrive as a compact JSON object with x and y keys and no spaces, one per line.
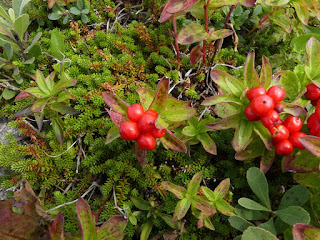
{"x":270,"y":119}
{"x":255,"y":92}
{"x":135,"y":112}
{"x":294,"y":124}
{"x":317,"y":112}
{"x":313,"y":92}
{"x":284,"y":148}
{"x":294,"y":139}
{"x":152,"y":112}
{"x":158,"y":133}
{"x":146,"y":141}
{"x":250,"y":114}
{"x":313,"y":125}
{"x":262,"y":105}
{"x":277,"y":93}
{"x":314,"y":102}
{"x":146,"y":122}
{"x":129,"y":130}
{"x":279,"y":132}
{"x":278,"y":107}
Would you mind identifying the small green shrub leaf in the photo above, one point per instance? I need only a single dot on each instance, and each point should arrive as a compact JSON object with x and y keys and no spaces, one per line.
{"x":251,"y":214}
{"x":243,"y":135}
{"x":213,"y":100}
{"x":8,"y":94}
{"x":181,"y":209}
{"x":311,"y":180}
{"x":35,"y":39}
{"x":252,"y":205}
{"x":269,"y":226}
{"x":39,"y":104}
{"x":192,"y":33}
{"x":280,"y":18}
{"x":179,"y":191}
{"x":302,"y":162}
{"x":295,"y":196}
{"x":301,"y":10}
{"x":21,"y":25}
{"x":62,"y":108}
{"x":304,"y":232}
{"x":251,"y":77}
{"x":313,"y":59}
{"x":178,"y":114}
{"x":86,"y":220}
{"x":146,"y":230}
{"x":203,"y":205}
{"x":221,"y":78}
{"x":239,"y":223}
{"x":57,"y":45}
{"x":291,"y":84}
{"x":254,"y":149}
{"x":299,"y":43}
{"x":189,"y":131}
{"x":266,"y":160}
{"x":75,"y":11}
{"x":266,"y":73}
{"x":194,"y":184}
{"x":57,"y":126}
{"x":224,"y":207}
{"x":215,"y":35}
{"x":160,"y":99}
{"x":207,"y":143}
{"x":113,"y":134}
{"x":259,"y":185}
{"x":312,"y":143}
{"x":226,"y":123}
{"x":264,"y":135}
{"x":254,"y":233}
{"x":293,"y":214}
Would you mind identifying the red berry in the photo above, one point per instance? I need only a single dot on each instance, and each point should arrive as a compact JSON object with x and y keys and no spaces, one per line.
{"x":269,"y":119}
{"x":279,"y":133}
{"x":314,"y":102}
{"x":152,"y":112}
{"x":146,"y":141}
{"x":313,"y":92}
{"x":134,"y":112}
{"x":255,"y":92}
{"x":250,"y":114}
{"x":284,"y":148}
{"x":277,"y":93}
{"x":146,"y":122}
{"x":129,"y":130}
{"x":294,"y":124}
{"x":262,"y":105}
{"x":294,"y":139}
{"x":158,"y":133}
{"x":313,"y":124}
{"x":317,"y":112}
{"x":278,"y":107}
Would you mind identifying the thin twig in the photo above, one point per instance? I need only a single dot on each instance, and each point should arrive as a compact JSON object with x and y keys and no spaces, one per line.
{"x":33,"y":128}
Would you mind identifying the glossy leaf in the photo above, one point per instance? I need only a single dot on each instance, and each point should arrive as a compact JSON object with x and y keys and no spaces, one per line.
{"x":242,"y":136}
{"x":195,"y":54}
{"x":250,"y":204}
{"x":293,"y":214}
{"x":194,"y":184}
{"x":192,"y":33}
{"x":115,"y":103}
{"x":296,"y":196}
{"x":160,"y":100}
{"x":86,"y":220}
{"x":213,"y":100}
{"x":291,"y":84}
{"x":305,"y":232}
{"x":251,"y":77}
{"x":207,"y":143}
{"x":21,"y":25}
{"x":181,"y":209}
{"x":116,"y":117}
{"x":113,"y":134}
{"x":112,"y":229}
{"x":239,"y":223}
{"x":266,"y":72}
{"x":259,"y":185}
{"x":301,"y":162}
{"x":179,"y":191}
{"x":253,"y":233}
{"x":57,"y":228}
{"x":172,"y":142}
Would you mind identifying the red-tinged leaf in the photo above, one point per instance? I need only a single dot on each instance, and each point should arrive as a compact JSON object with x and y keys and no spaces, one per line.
{"x":224,"y":207}
{"x":22,"y":95}
{"x":57,"y":228}
{"x":207,"y":143}
{"x":280,"y":18}
{"x":194,"y":184}
{"x":179,"y":191}
{"x":165,"y":16}
{"x":196,"y":54}
{"x":266,"y":161}
{"x":24,"y":112}
{"x":160,"y":100}
{"x":301,"y":162}
{"x":264,"y":135}
{"x":221,"y":78}
{"x":276,"y":2}
{"x":146,"y":97}
{"x":213,"y":100}
{"x":62,"y":108}
{"x":39,"y":104}
{"x":113,"y":134}
{"x":113,"y":229}
{"x":116,"y":117}
{"x":266,"y":73}
{"x":295,"y":110}
{"x":192,"y":33}
{"x":312,"y":143}
{"x":86,"y":220}
{"x":302,"y":231}
{"x":215,"y":35}
{"x":35,"y":91}
{"x":302,"y":11}
{"x":222,"y":189}
{"x":209,"y":194}
{"x":243,"y":135}
{"x":172,"y":142}
{"x":203,"y":205}
{"x":63,"y":84}
{"x":115,"y":103}
{"x":57,"y":126}
{"x":226,"y":123}
{"x":141,"y":154}
{"x":42,"y":83}
{"x":176,"y":6}
{"x":248,"y":3}
{"x":251,"y":77}
{"x":181,"y":209}
{"x":51,"y":3}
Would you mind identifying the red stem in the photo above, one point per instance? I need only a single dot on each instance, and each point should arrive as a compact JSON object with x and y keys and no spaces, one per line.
{"x":205,"y":7}
{"x":175,"y":38}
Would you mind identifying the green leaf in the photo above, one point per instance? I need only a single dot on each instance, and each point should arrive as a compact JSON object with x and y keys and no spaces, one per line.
{"x":208,"y":224}
{"x":215,"y":35}
{"x":189,"y":131}
{"x":239,"y":223}
{"x":305,"y":232}
{"x":254,"y":233}
{"x":251,"y":77}
{"x":45,"y":85}
{"x":295,"y":196}
{"x":168,"y":220}
{"x":62,"y":108}
{"x":207,"y":143}
{"x":252,"y":205}
{"x":311,"y":180}
{"x":39,"y":104}
{"x":8,"y":50}
{"x":293,"y":214}
{"x":222,"y":189}
{"x":224,"y":207}
{"x":86,"y":220}
{"x":63,"y":84}
{"x":172,"y":142}
{"x":141,"y":203}
{"x":208,"y":193}
{"x":34,"y":41}
{"x":112,"y":229}
{"x":57,"y":126}
{"x":192,"y":33}
{"x":266,"y":72}
{"x":266,"y":160}
{"x":84,"y":18}
{"x":146,"y":230}
{"x":39,"y":119}
{"x":269,"y":226}
{"x":4,"y":14}
{"x":54,"y":16}
{"x":302,"y":161}
{"x":200,"y":202}
{"x":264,"y":135}
{"x":34,"y":52}
{"x":57,"y":228}
{"x":213,"y":100}
{"x":181,"y":209}
{"x":290,"y":84}
{"x":113,"y":134}
{"x":301,"y":10}
{"x":57,"y":45}
{"x":179,"y":191}
{"x":226,"y":123}
{"x":21,"y":25}
{"x":299,"y":43}
{"x":177,"y":113}
{"x":251,"y":214}
{"x":194,"y":184}
{"x":8,"y":94}
{"x":312,"y":143}
{"x":259,"y":185}
{"x":276,"y":2}
{"x":254,"y":149}
{"x":280,"y":18}
{"x":160,"y":100}
{"x":243,"y":135}
{"x":115,"y":103}
{"x":227,"y":83}
{"x":75,"y":11}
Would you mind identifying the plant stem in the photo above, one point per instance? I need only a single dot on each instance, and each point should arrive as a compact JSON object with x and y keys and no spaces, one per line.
{"x":205,"y":7}
{"x":175,"y":38}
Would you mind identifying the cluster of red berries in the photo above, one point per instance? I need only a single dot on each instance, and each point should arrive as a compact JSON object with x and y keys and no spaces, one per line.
{"x":265,"y":106}
{"x":141,"y":127}
{"x":313,"y":122}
